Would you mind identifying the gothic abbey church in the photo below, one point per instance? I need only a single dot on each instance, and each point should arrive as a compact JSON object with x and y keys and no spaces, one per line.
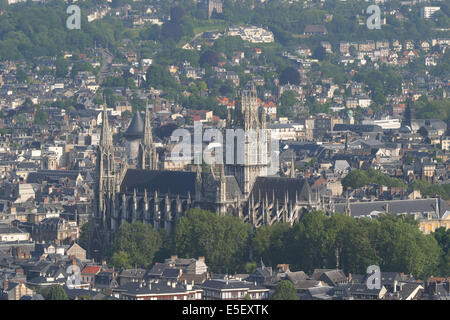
{"x":159,"y":197}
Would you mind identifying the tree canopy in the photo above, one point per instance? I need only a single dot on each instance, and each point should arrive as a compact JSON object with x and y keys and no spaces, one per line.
{"x":223,"y":240}
{"x":135,"y":244}
{"x":285,"y":290}
{"x":290,"y":75}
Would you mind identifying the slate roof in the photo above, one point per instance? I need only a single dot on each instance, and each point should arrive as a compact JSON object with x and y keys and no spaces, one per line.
{"x":362,"y":289}
{"x":296,"y":276}
{"x":51,"y":175}
{"x":407,"y":289}
{"x":330,"y":276}
{"x":360,"y":128}
{"x":359,"y":209}
{"x":157,"y":270}
{"x":279,"y":186}
{"x":139,"y":288}
{"x":320,"y":293}
{"x":171,"y":273}
{"x":177,"y":182}
{"x":6,"y":229}
{"x":222,"y":284}
{"x":315,"y":29}
{"x":136,"y":128}
{"x":132,"y":273}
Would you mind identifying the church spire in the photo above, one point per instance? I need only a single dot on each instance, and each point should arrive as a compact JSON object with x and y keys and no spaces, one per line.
{"x":105,"y":186}
{"x":106,"y":137}
{"x":147,"y":157}
{"x":148,"y":137}
{"x":292,"y":173}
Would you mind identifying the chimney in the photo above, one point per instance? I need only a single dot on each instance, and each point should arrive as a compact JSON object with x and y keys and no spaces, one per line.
{"x":202,"y":259}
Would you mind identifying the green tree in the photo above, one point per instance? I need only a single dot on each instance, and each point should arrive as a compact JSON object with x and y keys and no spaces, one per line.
{"x":320,"y":53}
{"x":54,"y":292}
{"x":290,"y":75}
{"x":287,"y":100}
{"x":159,"y":77}
{"x":135,"y":244}
{"x":21,"y":75}
{"x":209,"y":58}
{"x":121,"y":259}
{"x":285,"y":290}
{"x":223,"y":240}
{"x":442,"y":237}
{"x":40,"y":117}
{"x":402,"y":247}
{"x":62,"y":67}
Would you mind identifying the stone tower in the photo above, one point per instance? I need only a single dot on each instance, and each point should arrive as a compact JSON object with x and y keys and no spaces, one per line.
{"x":147,"y":156}
{"x":256,"y":150}
{"x":105,"y":192}
{"x":133,"y":136}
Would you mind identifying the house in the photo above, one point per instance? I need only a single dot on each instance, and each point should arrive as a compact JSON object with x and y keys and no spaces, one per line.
{"x":358,"y":292}
{"x":88,"y":274}
{"x":157,"y":290}
{"x":263,"y":275}
{"x":14,"y":291}
{"x":181,"y":270}
{"x":75,"y":251}
{"x":106,"y":280}
{"x":231,"y":289}
{"x":312,"y":30}
{"x":58,"y":230}
{"x":12,"y":234}
{"x":332,"y":277}
{"x":302,"y":282}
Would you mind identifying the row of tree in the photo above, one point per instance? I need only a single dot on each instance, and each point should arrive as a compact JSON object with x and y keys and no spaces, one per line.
{"x":359,"y":178}
{"x":317,"y":241}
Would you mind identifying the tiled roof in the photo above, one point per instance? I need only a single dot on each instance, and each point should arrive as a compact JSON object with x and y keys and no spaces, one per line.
{"x":91,"y":269}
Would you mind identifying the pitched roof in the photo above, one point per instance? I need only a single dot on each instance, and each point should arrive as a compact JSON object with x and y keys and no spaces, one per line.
{"x":91,"y":269}
{"x":177,"y":182}
{"x":280,"y":186}
{"x":315,"y":29}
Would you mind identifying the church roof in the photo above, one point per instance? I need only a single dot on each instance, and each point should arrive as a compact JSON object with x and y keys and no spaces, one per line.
{"x":136,"y":127}
{"x":177,"y":182}
{"x":279,"y":186}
